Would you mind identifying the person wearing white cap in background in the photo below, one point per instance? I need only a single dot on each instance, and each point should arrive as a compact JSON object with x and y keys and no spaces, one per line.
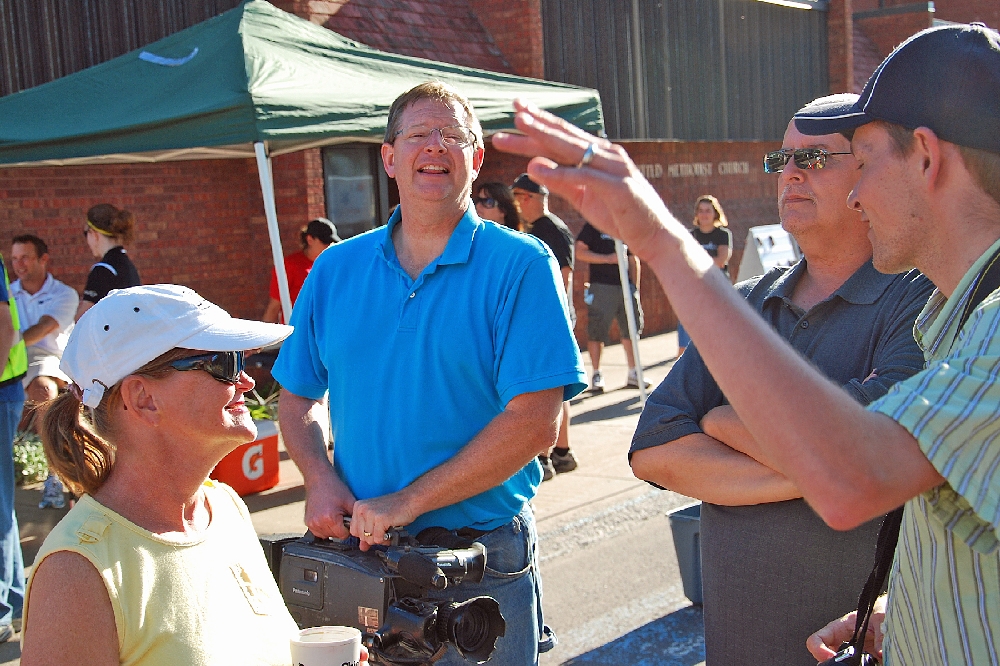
{"x":155,"y":564}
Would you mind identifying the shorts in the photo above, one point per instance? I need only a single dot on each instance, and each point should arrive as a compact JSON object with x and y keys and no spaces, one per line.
{"x":606,"y":306}
{"x":45,"y":364}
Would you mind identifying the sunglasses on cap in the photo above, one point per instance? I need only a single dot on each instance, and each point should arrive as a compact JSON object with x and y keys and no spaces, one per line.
{"x":485,"y":202}
{"x":224,"y":366}
{"x":805,"y":158}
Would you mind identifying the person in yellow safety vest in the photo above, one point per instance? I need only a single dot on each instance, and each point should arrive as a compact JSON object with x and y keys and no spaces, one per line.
{"x":17,"y":358}
{"x":12,"y":349}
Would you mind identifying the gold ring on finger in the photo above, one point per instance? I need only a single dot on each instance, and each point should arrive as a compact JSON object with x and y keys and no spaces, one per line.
{"x":367,"y":534}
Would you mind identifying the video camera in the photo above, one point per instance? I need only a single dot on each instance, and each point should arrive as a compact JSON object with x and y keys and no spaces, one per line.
{"x":384,"y":593}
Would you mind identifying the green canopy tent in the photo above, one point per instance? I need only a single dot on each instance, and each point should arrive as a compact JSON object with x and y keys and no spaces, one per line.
{"x":253,"y":82}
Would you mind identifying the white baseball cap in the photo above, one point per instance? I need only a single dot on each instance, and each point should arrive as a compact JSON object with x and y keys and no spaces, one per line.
{"x":128,"y":328}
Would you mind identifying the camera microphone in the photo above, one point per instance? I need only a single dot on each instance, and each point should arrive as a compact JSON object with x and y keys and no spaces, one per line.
{"x":421,"y":571}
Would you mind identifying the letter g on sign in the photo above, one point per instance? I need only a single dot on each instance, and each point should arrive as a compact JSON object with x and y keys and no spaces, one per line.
{"x":253,"y":462}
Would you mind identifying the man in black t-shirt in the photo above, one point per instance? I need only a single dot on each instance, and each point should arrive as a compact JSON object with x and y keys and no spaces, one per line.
{"x":605,"y":301}
{"x":533,"y":200}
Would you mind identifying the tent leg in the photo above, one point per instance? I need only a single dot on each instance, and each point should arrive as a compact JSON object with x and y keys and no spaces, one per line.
{"x":633,"y":330}
{"x":271,"y":213}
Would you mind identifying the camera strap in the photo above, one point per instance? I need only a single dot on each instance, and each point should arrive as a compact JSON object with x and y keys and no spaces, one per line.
{"x":986,"y":283}
{"x":888,"y":535}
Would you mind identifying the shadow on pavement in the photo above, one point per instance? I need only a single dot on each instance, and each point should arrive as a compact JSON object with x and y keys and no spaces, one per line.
{"x":626,"y":407}
{"x":10,"y":652}
{"x":33,"y":523}
{"x":673,"y":640}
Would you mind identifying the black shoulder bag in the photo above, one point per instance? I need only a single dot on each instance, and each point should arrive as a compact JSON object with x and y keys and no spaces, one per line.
{"x":852,"y":653}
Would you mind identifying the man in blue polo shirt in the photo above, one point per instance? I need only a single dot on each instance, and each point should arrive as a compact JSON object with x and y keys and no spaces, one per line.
{"x":443,"y":348}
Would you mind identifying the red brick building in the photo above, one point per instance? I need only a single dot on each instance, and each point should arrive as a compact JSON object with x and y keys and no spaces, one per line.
{"x":861,"y":33}
{"x":201,"y":223}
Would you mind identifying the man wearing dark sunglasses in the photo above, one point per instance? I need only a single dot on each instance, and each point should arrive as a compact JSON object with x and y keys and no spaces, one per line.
{"x":546,"y":226}
{"x":850,"y":321}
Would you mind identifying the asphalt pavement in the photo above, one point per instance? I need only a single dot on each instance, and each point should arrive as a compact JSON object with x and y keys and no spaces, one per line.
{"x":612,"y":590}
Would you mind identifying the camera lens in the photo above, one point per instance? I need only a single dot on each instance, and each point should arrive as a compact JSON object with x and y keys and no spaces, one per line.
{"x":472,"y":626}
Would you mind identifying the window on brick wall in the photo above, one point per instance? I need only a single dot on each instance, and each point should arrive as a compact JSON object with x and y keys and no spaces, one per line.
{"x":359,"y":194}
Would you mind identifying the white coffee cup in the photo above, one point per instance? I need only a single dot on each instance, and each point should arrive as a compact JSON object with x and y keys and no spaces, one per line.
{"x":326,"y":646}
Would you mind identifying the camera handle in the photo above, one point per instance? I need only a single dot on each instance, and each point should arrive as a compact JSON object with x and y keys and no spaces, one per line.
{"x":392,"y":536}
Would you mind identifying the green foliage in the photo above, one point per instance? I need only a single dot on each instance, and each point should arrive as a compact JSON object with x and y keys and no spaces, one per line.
{"x":30,"y":465}
{"x":263,"y":408}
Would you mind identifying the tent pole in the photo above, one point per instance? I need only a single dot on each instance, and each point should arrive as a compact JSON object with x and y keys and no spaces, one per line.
{"x":633,"y":330}
{"x":271,"y":213}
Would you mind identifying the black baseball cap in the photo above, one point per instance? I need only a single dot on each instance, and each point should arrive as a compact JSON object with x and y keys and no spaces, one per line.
{"x":945,"y":78}
{"x":523,"y":182}
{"x":824,"y":108}
{"x":322,"y":230}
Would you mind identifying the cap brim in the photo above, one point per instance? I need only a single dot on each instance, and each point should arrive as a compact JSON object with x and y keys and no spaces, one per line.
{"x":820,"y":125}
{"x":236,"y":335}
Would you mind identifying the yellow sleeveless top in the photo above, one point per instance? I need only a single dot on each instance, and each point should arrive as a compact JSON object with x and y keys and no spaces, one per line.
{"x":209,"y":601}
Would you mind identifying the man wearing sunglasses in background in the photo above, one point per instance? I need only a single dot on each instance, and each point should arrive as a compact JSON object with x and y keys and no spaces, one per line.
{"x":443,"y":348}
{"x":772,"y":570}
{"x":548,"y":228}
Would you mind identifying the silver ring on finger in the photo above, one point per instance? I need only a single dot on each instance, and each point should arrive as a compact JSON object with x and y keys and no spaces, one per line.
{"x":385,"y":536}
{"x":588,"y":156}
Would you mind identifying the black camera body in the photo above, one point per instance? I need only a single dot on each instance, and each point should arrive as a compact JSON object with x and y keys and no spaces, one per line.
{"x":384,"y":593}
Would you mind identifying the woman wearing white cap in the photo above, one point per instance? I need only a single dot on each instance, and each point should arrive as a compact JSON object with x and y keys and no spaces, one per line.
{"x":155,"y":564}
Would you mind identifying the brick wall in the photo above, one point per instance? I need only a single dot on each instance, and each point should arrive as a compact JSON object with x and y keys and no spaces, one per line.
{"x":867,"y":58}
{"x":443,"y":30}
{"x":516,"y":28}
{"x":967,"y":11}
{"x":840,"y":45}
{"x":199,"y":223}
{"x":890,"y":30}
{"x":500,"y":35}
{"x":748,"y":199}
{"x":880,"y":25}
{"x":959,"y":11}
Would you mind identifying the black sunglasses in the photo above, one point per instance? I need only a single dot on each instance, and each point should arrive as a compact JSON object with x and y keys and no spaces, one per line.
{"x":485,"y":202}
{"x":805,"y":158}
{"x":224,"y":366}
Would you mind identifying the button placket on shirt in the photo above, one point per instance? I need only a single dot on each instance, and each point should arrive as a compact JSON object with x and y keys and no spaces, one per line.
{"x":410,"y":311}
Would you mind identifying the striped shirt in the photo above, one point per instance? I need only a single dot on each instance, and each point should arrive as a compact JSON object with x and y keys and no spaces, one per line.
{"x":944,"y":590}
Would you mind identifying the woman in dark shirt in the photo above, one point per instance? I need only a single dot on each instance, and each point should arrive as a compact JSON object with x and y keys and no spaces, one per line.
{"x":711,"y":233}
{"x":107,"y":230}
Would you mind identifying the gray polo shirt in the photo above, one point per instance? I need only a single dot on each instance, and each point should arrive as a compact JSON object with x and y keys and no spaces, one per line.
{"x":774,"y":573}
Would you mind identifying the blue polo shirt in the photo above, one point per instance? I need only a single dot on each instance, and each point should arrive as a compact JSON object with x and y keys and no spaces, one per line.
{"x":414,"y":369}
